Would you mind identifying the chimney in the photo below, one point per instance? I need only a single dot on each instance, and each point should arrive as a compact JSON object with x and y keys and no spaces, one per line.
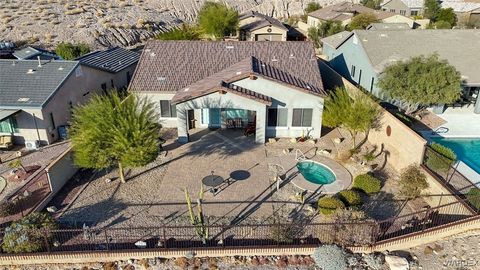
{"x":39,"y":62}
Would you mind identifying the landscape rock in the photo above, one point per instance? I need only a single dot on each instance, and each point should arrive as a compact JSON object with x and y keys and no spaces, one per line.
{"x":52,"y":209}
{"x":396,"y":262}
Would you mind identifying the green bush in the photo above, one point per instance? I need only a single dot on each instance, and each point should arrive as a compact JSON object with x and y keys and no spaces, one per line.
{"x":328,"y":205}
{"x":367,"y":183}
{"x":350,"y":197}
{"x":69,"y":51}
{"x":28,"y":234}
{"x":412,"y":182}
{"x":442,"y":159}
{"x":473,"y":196}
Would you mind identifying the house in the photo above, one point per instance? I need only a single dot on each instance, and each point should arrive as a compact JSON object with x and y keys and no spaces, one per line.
{"x":388,"y":26}
{"x":407,"y":8}
{"x":362,"y":55}
{"x":467,"y":12}
{"x":345,"y":11}
{"x":33,"y":53}
{"x":254,"y":26}
{"x":275,"y":88}
{"x":37,"y":96}
{"x":6,"y":50}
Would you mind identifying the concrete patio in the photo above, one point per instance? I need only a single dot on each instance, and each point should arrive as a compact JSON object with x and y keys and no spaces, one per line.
{"x":460,"y":123}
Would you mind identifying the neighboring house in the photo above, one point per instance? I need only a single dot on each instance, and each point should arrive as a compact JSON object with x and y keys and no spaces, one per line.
{"x":388,"y":26}
{"x":33,"y":53}
{"x":116,"y":65}
{"x":254,"y":26}
{"x":467,"y":12}
{"x":345,"y":11}
{"x":407,"y":8}
{"x":6,"y":49}
{"x":274,"y":87}
{"x":362,"y":55}
{"x":37,"y":96}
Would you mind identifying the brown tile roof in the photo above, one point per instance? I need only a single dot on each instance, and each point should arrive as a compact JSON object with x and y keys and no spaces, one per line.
{"x":347,"y":10}
{"x":171,"y":66}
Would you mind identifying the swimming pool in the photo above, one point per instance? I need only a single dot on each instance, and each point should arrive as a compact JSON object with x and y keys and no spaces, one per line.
{"x":316,"y":173}
{"x":467,"y":150}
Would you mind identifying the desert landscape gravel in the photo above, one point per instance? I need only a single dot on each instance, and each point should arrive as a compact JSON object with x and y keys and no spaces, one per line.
{"x":106,"y":23}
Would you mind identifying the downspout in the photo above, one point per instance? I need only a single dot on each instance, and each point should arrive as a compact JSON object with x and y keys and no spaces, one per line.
{"x":36,"y":127}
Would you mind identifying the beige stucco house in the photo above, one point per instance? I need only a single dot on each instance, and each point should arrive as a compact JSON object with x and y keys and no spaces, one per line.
{"x":254,"y":26}
{"x":274,"y":88}
{"x":407,"y":8}
{"x":37,"y":96}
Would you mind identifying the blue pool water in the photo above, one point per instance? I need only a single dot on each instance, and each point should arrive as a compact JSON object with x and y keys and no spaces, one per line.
{"x":467,"y":150}
{"x":315,"y":172}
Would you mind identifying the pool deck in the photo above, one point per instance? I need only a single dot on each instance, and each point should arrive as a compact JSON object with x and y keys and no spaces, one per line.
{"x":343,"y":177}
{"x":460,"y":123}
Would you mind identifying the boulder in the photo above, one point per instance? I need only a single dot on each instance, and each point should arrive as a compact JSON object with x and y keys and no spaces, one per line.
{"x":272,"y":140}
{"x":52,"y":209}
{"x":396,"y":262}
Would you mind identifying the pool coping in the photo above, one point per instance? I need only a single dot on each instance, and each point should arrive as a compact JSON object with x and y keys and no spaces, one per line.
{"x":343,"y":177}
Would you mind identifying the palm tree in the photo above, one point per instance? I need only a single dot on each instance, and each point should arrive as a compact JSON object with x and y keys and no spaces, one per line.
{"x":110,"y":132}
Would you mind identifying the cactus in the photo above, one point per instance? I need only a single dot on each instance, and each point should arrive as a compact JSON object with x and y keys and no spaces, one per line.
{"x":197,"y":220}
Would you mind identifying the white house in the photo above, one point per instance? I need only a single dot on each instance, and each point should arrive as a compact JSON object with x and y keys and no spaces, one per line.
{"x":273,"y":87}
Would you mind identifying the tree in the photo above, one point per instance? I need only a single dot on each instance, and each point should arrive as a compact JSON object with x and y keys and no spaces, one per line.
{"x":356,"y":114}
{"x":447,"y":15}
{"x":324,"y":29}
{"x":431,"y":9}
{"x":421,"y":81}
{"x":109,"y":132}
{"x":185,"y":32}
{"x":17,"y":163}
{"x":441,"y":25}
{"x":69,"y":51}
{"x":412,"y":182}
{"x":217,"y":19}
{"x":312,"y":6}
{"x":361,"y":21}
{"x":373,"y":4}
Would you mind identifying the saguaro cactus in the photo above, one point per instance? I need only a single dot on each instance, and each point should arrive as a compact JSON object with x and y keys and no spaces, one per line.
{"x":197,"y":220}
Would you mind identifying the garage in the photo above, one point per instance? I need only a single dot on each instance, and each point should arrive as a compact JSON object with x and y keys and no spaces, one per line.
{"x":268,"y":37}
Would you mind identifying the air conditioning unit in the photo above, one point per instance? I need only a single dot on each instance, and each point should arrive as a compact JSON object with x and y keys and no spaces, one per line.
{"x":32,"y":145}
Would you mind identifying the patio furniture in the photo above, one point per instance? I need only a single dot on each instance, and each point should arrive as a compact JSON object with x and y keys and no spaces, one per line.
{"x":212,"y":181}
{"x":6,"y":142}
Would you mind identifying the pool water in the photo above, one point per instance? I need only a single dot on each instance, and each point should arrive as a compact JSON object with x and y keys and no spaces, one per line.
{"x":467,"y":150}
{"x":316,"y":173}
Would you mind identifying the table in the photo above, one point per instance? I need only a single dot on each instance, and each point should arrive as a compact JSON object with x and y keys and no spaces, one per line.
{"x":212,"y":181}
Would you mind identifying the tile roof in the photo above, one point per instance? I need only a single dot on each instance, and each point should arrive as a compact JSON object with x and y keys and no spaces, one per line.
{"x":336,"y":40}
{"x":460,"y":47}
{"x":388,"y":26}
{"x":460,"y":6}
{"x":171,"y":66}
{"x":263,"y":20}
{"x":112,"y":60}
{"x":409,"y":3}
{"x":25,"y":84}
{"x":347,"y":10}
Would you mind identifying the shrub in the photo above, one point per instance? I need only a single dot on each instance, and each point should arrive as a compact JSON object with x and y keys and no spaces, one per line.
{"x":282,"y":233}
{"x":69,"y":51}
{"x":367,"y":183}
{"x":27,"y":234}
{"x":473,"y":196}
{"x":350,"y":197}
{"x":441,"y":159}
{"x":328,"y":205}
{"x":330,"y":257}
{"x":412,"y":182}
{"x":7,"y":208}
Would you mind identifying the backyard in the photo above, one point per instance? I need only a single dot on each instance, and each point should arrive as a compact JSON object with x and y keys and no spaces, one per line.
{"x":154,"y":195}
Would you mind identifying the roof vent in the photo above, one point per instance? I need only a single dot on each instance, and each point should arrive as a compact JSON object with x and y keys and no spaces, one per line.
{"x":239,"y":72}
{"x":186,"y":89}
{"x":274,"y":59}
{"x":31,"y":71}
{"x":23,"y":99}
{"x":147,"y":50}
{"x":161,"y":79}
{"x":60,"y":68}
{"x":13,"y":63}
{"x":229,"y":47}
{"x":152,"y":54}
{"x":291,"y":56}
{"x":383,"y":35}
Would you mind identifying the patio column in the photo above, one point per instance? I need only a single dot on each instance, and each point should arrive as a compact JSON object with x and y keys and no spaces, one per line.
{"x":260,"y":125}
{"x":477,"y":106}
{"x":182,"y":120}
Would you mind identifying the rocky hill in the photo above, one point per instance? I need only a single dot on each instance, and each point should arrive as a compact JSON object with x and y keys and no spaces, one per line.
{"x":105,"y":23}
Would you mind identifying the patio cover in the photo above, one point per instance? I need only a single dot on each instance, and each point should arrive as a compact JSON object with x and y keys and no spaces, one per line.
{"x":4,"y":114}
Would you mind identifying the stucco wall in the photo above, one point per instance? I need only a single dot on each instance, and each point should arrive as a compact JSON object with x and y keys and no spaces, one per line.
{"x":400,"y":19}
{"x":404,"y":146}
{"x":396,"y":5}
{"x":265,"y":31}
{"x":155,"y":97}
{"x":60,"y":171}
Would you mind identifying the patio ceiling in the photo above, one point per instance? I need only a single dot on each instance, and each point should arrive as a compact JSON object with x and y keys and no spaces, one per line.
{"x":4,"y":114}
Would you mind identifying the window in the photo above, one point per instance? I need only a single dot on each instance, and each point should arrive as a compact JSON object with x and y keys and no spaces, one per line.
{"x":302,"y":117}
{"x":167,"y":109}
{"x":104,"y":87}
{"x":353,"y":71}
{"x":111,"y":82}
{"x":403,"y":12}
{"x":414,"y":13}
{"x":277,"y":117}
{"x":128,"y":77}
{"x":9,"y":125}
{"x":392,"y":10}
{"x":52,"y":121}
{"x":360,"y":77}
{"x":371,"y":84}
